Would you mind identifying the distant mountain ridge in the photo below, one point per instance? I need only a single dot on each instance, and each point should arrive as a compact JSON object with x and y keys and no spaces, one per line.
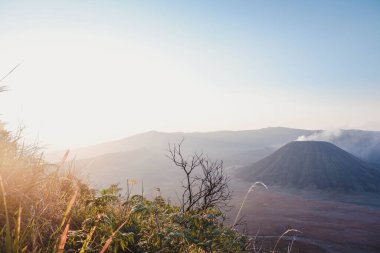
{"x":314,"y":165}
{"x":223,"y":144}
{"x":218,"y":144}
{"x":142,"y":155}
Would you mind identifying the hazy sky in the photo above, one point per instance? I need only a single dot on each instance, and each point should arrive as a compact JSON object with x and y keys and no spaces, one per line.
{"x":99,"y":70}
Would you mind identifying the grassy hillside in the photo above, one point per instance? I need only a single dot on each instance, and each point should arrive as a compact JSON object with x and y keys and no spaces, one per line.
{"x":45,"y":208}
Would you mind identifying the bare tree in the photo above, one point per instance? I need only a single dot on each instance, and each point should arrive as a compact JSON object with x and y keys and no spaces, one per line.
{"x":205,"y":184}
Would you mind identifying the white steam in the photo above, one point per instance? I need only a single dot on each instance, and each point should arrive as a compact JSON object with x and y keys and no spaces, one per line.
{"x":363,"y":144}
{"x":326,"y":135}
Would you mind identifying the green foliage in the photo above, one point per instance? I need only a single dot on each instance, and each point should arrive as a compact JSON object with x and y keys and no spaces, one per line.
{"x":45,"y":208}
{"x":153,"y":226}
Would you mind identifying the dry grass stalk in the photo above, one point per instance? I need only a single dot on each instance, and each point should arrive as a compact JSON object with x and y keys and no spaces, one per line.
{"x":89,"y":235}
{"x":10,"y":72}
{"x":63,"y":238}
{"x":18,"y":230}
{"x":245,"y":199}
{"x":63,"y":160}
{"x":108,"y":242}
{"x":66,"y":220}
{"x":283,"y":234}
{"x":8,"y":238}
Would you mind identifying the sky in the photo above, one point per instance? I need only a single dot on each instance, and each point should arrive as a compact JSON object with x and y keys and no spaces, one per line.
{"x":93,"y":71}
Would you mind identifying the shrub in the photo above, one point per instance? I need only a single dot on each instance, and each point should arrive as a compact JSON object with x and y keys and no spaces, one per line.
{"x":46,"y":208}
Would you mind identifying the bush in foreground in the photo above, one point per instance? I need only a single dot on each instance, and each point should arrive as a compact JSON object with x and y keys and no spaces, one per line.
{"x":47,"y":209}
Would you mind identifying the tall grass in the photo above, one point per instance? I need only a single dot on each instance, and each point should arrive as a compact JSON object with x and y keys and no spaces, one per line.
{"x":34,"y":199}
{"x":46,"y":208}
{"x":281,"y":236}
{"x":250,"y":189}
{"x":7,"y":74}
{"x":8,"y":242}
{"x":66,"y":221}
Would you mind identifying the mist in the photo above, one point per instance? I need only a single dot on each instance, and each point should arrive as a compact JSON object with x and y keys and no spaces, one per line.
{"x":364,"y":144}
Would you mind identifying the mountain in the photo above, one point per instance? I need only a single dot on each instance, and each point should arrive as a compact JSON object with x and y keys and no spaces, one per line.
{"x":314,"y":165}
{"x":234,"y":146}
{"x":143,"y":155}
{"x":363,"y":144}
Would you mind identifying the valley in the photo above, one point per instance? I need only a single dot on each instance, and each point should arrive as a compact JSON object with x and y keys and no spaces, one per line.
{"x":333,"y":224}
{"x":315,"y":187}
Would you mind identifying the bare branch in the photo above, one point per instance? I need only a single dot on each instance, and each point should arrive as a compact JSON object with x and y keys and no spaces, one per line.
{"x":205,"y":187}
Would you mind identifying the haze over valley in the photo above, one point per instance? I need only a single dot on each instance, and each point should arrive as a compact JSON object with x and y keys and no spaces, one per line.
{"x":190,"y":126}
{"x":147,"y":151}
{"x":329,"y":176}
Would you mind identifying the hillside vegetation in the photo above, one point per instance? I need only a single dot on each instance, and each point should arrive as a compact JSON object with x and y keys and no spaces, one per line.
{"x":45,"y":208}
